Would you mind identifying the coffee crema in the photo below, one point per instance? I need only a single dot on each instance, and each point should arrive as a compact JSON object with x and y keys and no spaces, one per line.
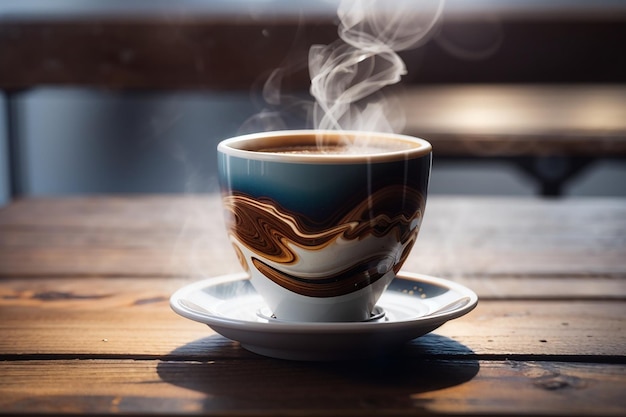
{"x":335,"y":149}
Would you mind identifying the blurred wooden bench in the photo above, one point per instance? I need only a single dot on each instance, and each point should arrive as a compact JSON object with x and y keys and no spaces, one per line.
{"x":552,"y":132}
{"x":549,"y":108}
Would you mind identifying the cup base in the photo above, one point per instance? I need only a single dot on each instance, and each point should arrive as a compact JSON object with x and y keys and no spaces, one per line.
{"x":377,"y":314}
{"x":287,"y":306}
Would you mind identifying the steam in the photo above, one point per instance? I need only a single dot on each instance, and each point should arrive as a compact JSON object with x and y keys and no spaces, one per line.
{"x":348,"y":76}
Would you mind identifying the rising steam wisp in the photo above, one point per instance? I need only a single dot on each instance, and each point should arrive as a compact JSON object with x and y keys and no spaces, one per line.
{"x":347,"y":76}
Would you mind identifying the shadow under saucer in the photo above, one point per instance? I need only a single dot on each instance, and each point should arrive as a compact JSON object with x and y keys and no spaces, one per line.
{"x":233,"y":378}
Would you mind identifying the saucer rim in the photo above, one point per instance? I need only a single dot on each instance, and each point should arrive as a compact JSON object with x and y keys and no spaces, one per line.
{"x":211,"y":320}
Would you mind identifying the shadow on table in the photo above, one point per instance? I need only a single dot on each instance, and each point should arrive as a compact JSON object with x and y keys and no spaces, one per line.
{"x":233,"y":378}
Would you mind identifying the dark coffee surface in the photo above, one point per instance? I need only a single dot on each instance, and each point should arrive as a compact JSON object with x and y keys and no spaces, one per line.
{"x":336,"y":149}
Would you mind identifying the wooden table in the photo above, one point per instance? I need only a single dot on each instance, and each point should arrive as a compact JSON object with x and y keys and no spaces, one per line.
{"x":86,"y":326}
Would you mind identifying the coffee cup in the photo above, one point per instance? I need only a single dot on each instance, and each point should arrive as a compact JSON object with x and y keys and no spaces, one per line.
{"x":322,"y":221}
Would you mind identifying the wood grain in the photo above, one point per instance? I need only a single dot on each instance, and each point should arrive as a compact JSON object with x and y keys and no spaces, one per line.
{"x":183,"y":49}
{"x":391,"y":387}
{"x":86,"y":326}
{"x":132,"y":317}
{"x":157,"y":53}
{"x":185,"y":236}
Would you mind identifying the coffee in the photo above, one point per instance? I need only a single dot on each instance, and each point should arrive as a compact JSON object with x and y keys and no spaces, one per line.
{"x":332,"y":150}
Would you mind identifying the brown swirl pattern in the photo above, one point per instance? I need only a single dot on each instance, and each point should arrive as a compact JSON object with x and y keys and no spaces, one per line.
{"x":268,"y":230}
{"x":349,"y":280}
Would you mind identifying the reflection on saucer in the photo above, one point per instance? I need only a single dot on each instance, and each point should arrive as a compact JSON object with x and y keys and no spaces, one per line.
{"x":265,"y":315}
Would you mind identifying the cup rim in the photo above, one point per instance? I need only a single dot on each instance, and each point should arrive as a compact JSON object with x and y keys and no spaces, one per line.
{"x":246,"y":146}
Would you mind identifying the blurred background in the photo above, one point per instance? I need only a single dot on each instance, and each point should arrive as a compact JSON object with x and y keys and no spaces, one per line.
{"x":133,"y":96}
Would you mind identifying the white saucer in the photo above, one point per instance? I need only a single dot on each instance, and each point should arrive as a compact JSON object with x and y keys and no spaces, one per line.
{"x":413,"y":305}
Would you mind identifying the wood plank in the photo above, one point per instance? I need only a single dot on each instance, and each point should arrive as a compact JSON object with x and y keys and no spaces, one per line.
{"x":184,"y":235}
{"x":147,"y":235}
{"x":130,"y":51}
{"x":516,"y":236}
{"x":158,"y":52}
{"x":494,"y":287}
{"x":132,"y":317}
{"x":114,"y":211}
{"x":545,"y":287}
{"x":392,"y":387}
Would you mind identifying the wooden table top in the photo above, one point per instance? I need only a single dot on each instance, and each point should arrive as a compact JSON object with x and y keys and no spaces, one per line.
{"x":86,"y":326}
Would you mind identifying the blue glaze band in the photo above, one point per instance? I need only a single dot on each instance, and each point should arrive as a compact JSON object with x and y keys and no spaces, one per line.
{"x":316,"y":190}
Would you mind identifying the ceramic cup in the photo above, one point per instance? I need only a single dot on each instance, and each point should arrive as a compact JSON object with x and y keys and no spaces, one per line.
{"x":323,"y":229}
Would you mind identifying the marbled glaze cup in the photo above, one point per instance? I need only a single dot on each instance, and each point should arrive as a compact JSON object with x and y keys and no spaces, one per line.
{"x":322,"y":234}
